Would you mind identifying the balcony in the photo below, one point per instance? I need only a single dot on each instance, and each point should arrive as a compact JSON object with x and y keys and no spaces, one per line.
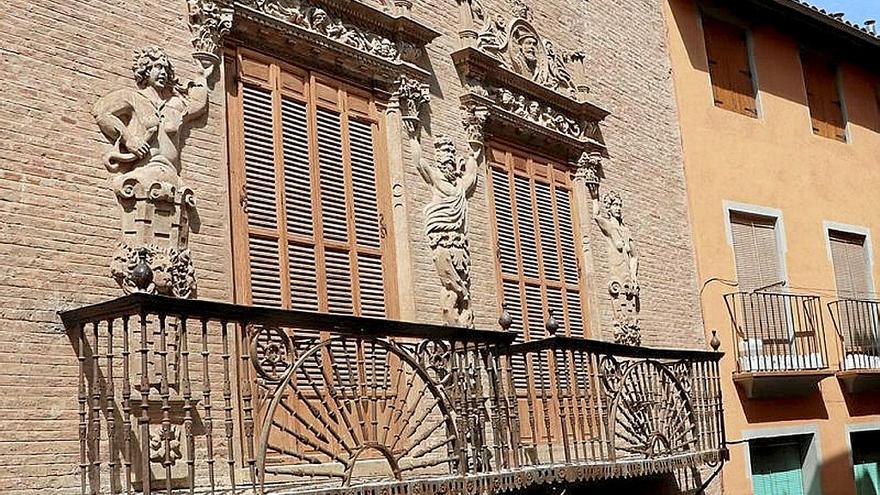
{"x":780,"y":343}
{"x":197,"y":395}
{"x":857,"y":322}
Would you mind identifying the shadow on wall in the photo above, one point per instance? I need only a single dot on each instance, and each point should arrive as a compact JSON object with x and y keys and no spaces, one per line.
{"x":777,"y":63}
{"x":783,"y":409}
{"x":864,"y":404}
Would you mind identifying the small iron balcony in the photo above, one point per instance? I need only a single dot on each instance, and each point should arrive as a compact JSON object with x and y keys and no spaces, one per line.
{"x":857,"y":322}
{"x":196,"y":395}
{"x":780,"y":342}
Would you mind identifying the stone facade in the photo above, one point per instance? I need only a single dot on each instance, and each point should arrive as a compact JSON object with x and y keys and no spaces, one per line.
{"x":60,"y":220}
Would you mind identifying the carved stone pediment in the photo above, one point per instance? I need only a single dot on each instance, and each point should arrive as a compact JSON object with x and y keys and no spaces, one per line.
{"x":346,"y":36}
{"x":530,"y":87}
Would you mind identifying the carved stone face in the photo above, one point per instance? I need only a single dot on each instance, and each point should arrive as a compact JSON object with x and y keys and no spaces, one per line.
{"x":446,"y":161}
{"x":534,"y":110}
{"x":319,"y":19}
{"x":529,"y":47}
{"x":615,"y":209}
{"x":158,"y":76}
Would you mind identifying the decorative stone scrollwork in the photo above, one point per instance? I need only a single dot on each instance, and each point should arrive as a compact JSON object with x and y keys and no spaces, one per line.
{"x":474,"y":121}
{"x":165,"y":445}
{"x":317,"y":19}
{"x":520,"y":48}
{"x":526,"y":83}
{"x":454,"y":180}
{"x":209,"y":22}
{"x":145,"y":124}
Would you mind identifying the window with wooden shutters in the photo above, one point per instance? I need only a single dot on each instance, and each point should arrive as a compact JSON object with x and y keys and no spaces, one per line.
{"x":536,"y":250}
{"x":730,"y":69}
{"x":823,"y":96}
{"x":309,"y":216}
{"x":850,"y":261}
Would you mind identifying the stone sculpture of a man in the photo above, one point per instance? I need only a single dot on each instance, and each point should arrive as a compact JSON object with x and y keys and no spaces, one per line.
{"x":145,"y":124}
{"x":623,"y":261}
{"x":454,"y":180}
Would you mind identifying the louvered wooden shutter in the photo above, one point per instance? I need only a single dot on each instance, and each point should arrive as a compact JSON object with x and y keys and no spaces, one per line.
{"x":823,"y":96}
{"x":536,"y":252}
{"x":729,"y":67}
{"x":312,"y":201}
{"x":850,"y":262}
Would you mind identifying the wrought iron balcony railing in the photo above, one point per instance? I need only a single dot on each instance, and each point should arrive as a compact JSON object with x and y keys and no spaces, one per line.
{"x":857,"y":322}
{"x":777,"y":331}
{"x":196,"y":395}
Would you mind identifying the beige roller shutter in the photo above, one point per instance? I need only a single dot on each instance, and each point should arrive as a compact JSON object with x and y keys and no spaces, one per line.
{"x":850,"y":261}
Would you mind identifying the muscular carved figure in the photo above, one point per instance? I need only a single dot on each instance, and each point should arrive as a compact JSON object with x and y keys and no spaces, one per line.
{"x":623,"y":261}
{"x":454,"y":180}
{"x":144,"y":124}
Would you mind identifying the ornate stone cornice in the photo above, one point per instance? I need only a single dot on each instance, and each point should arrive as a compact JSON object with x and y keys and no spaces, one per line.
{"x":527,"y":84}
{"x":344,"y":33}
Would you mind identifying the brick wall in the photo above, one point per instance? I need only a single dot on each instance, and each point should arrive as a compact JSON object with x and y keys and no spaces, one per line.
{"x":59,"y":218}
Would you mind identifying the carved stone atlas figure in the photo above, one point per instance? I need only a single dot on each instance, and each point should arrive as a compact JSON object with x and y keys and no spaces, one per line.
{"x":145,"y":124}
{"x":623,"y":258}
{"x":454,"y":180}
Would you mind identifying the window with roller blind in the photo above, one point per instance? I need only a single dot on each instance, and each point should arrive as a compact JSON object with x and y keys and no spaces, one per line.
{"x":756,"y":251}
{"x":727,"y":51}
{"x":537,"y":246}
{"x":308,"y":195}
{"x":759,"y":266}
{"x":823,"y":96}
{"x":850,"y":260}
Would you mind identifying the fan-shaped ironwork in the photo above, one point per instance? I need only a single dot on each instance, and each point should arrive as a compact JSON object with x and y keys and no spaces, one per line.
{"x":651,"y":414}
{"x":357,"y":409}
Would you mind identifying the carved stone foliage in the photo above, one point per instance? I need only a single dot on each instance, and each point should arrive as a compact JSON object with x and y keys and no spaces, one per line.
{"x":412,"y":96}
{"x":316,"y":18}
{"x":519,"y":47}
{"x":623,"y":258}
{"x":144,"y":125}
{"x":454,"y":180}
{"x":209,"y":22}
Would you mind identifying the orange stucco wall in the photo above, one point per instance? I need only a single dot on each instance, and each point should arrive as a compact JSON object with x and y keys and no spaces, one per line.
{"x":776,"y":162}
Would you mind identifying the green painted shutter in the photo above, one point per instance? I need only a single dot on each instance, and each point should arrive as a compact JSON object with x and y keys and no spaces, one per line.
{"x":777,"y":469}
{"x":866,"y":462}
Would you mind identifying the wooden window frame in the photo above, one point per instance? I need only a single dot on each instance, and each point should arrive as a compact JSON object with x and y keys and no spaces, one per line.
{"x":310,"y":88}
{"x":561,"y":177}
{"x":821,"y":121}
{"x":725,"y":93}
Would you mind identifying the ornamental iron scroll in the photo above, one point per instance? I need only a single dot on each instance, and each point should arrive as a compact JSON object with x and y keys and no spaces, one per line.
{"x":651,"y":414}
{"x":271,"y":352}
{"x":354,"y":408}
